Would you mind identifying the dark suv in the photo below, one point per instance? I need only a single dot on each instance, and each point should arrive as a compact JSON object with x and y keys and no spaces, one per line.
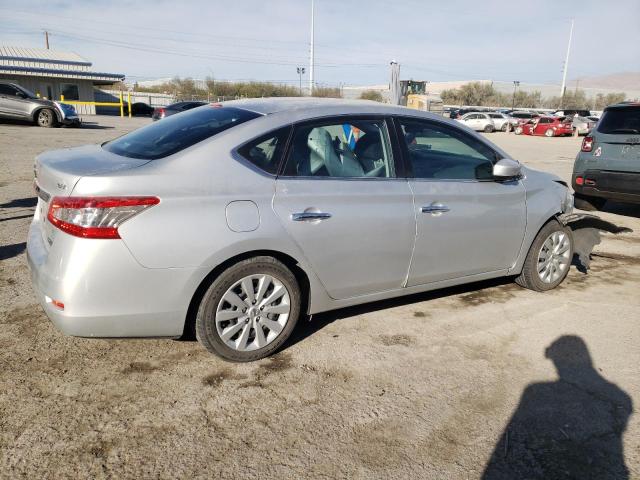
{"x":18,"y":103}
{"x":608,"y":165}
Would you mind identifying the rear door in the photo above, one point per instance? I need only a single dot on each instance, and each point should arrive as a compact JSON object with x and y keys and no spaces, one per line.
{"x":467,"y":223}
{"x":343,"y":201}
{"x":10,"y":102}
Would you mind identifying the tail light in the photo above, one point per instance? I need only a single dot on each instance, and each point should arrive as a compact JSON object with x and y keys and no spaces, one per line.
{"x":587,"y":144}
{"x":95,"y":217}
{"x":160,"y":112}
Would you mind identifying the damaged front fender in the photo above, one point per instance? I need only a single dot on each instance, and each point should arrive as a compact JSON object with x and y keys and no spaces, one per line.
{"x":586,"y":234}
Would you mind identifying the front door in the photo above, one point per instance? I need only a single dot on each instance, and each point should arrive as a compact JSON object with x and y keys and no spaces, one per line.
{"x":467,"y":223}
{"x":341,"y":201}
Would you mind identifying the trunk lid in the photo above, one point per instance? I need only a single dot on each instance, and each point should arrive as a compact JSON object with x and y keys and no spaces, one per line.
{"x":617,"y":138}
{"x":57,"y":172}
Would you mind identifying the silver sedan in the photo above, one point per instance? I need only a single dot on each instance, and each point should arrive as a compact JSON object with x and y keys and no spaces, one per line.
{"x":232,"y":220}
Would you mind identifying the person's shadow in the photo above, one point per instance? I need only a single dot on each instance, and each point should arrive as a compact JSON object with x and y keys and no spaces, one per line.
{"x":568,"y":429}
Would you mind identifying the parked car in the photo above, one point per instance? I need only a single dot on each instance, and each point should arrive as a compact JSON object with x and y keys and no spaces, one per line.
{"x":234,"y":219}
{"x":582,"y":125}
{"x":162,"y":112}
{"x":18,"y":103}
{"x":461,"y":112}
{"x":480,"y":122}
{"x":547,"y":126}
{"x":593,"y":118}
{"x":501,"y":121}
{"x":139,"y":109}
{"x":572,"y":112}
{"x":608,"y":164}
{"x":523,"y":117}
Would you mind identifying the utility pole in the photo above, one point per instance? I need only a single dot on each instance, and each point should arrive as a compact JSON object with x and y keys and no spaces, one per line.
{"x":46,"y":39}
{"x":516,"y":84}
{"x":300,"y":73}
{"x":566,"y":65}
{"x":311,"y":60}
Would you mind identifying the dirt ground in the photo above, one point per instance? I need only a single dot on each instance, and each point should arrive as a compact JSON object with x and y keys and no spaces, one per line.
{"x":437,"y":386}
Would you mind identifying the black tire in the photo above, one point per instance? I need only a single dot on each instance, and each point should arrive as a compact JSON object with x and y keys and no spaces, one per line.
{"x":590,"y":204}
{"x":489,"y":128}
{"x":529,"y":277}
{"x":46,"y":118}
{"x":206,"y":331}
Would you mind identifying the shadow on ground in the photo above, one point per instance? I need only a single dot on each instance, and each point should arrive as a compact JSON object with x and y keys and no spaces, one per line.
{"x":626,"y":209}
{"x":10,"y":251}
{"x":568,"y":429}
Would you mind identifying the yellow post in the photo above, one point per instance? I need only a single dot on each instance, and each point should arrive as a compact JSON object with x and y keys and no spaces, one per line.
{"x":121,"y":106}
{"x":61,"y":98}
{"x":129,"y":102}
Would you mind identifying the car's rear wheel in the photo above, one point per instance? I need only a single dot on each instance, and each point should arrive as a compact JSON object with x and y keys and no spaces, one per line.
{"x":489,"y":128}
{"x":588,"y":203}
{"x":249,"y":311}
{"x":46,"y":118}
{"x":549,"y":258}
{"x":549,"y":132}
{"x":504,"y":127}
{"x":518,"y":130}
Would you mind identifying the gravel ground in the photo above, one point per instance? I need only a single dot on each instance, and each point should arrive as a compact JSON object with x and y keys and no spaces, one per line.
{"x":438,"y":385}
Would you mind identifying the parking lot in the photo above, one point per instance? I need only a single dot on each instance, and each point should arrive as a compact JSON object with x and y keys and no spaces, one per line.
{"x":427,"y":386}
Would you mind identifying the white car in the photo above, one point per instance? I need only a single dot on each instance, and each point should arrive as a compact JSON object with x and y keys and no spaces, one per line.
{"x":501,"y":120}
{"x":480,"y":122}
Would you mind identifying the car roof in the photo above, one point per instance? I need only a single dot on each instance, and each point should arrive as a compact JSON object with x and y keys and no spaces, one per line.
{"x":623,"y":105}
{"x":316,"y":106}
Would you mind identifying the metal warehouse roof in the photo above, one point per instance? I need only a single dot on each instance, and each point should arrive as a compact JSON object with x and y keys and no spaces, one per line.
{"x":50,"y":63}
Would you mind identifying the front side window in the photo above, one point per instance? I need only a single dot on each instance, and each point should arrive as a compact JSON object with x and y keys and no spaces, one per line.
{"x":69,"y":91}
{"x":7,"y":90}
{"x":349,"y":148}
{"x":266,"y":151}
{"x":437,"y":151}
{"x":177,"y":132}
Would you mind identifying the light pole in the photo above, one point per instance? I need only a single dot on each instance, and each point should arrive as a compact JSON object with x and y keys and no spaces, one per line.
{"x":300,"y":73}
{"x":516,"y":84}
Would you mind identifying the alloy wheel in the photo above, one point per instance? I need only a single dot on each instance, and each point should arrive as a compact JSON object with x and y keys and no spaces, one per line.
{"x":253,"y":312}
{"x":553,"y":258}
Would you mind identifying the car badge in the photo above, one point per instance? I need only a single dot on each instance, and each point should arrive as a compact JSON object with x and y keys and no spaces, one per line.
{"x":62,"y":186}
{"x":598,"y":152}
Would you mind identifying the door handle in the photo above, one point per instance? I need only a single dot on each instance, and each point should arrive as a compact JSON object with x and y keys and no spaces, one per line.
{"x":435,"y":208}
{"x":309,"y":216}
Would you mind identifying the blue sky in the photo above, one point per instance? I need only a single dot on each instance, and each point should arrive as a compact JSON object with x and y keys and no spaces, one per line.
{"x":355,"y":40}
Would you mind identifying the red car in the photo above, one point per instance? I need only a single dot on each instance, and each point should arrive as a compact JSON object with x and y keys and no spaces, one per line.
{"x":547,"y":126}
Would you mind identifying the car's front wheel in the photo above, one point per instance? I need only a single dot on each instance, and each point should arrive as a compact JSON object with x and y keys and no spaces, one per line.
{"x":518,"y":130}
{"x":488,"y":128}
{"x":249,"y":310}
{"x":46,"y":118}
{"x":549,"y":258}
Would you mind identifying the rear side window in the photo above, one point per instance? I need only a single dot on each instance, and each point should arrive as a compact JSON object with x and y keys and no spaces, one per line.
{"x":177,"y":132}
{"x":620,"y":120}
{"x":266,"y":151}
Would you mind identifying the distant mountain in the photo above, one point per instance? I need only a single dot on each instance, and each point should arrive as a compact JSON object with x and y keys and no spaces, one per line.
{"x":622,"y":82}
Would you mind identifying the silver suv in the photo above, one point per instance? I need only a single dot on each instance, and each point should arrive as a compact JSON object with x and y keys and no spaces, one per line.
{"x":18,"y":103}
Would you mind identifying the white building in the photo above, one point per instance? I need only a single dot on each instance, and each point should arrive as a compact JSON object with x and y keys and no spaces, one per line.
{"x":52,"y":74}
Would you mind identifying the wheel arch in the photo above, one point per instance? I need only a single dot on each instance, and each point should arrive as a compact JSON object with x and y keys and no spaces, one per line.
{"x":34,"y":114}
{"x":291,"y":263}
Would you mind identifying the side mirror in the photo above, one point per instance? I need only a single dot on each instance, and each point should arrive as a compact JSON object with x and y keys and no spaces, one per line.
{"x":506,"y":168}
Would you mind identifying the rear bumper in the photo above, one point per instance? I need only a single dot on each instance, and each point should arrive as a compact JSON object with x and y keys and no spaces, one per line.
{"x":621,"y":186}
{"x":105,"y":292}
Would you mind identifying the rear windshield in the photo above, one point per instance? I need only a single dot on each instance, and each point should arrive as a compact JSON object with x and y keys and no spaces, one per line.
{"x":620,"y":120}
{"x":177,"y":132}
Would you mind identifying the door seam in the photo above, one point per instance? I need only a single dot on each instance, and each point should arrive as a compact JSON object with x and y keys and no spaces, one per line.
{"x":415,"y":234}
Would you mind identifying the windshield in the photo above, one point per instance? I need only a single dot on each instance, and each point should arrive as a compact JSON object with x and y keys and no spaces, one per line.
{"x":177,"y":132}
{"x":28,"y":93}
{"x":620,"y":120}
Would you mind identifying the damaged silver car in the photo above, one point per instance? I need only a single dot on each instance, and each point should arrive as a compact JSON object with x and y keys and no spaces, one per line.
{"x":235,"y":219}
